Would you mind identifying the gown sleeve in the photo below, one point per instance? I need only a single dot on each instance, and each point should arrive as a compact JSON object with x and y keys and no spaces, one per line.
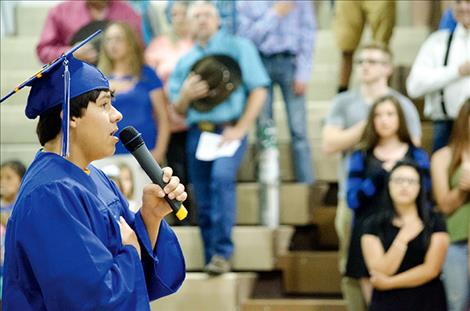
{"x":164,"y":266}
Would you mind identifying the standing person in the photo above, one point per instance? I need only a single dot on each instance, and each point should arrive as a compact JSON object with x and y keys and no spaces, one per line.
{"x":405,"y":245}
{"x":451,"y":183}
{"x":342,"y":132}
{"x":350,"y":18}
{"x":215,"y":181}
{"x":441,"y":72}
{"x":65,"y":19}
{"x":283,"y":32}
{"x":384,"y":142}
{"x":162,"y":54}
{"x":71,"y":240}
{"x":139,"y":94}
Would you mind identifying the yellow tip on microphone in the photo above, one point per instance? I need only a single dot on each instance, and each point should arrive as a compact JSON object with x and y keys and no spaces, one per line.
{"x":182,"y":212}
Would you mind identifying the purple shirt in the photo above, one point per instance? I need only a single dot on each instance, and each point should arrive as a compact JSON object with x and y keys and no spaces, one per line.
{"x":65,"y":19}
{"x":273,"y":34}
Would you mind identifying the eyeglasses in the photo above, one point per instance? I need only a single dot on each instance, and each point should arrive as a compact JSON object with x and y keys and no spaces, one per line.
{"x":369,"y":61}
{"x":404,"y":180}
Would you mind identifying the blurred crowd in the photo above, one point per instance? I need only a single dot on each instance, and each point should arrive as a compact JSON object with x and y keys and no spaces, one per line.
{"x":403,"y":215}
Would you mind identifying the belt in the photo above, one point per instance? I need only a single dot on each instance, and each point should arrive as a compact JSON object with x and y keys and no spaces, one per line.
{"x":284,"y":54}
{"x":206,"y":126}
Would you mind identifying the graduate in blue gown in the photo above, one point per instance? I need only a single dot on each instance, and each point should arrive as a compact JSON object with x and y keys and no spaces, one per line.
{"x":72,"y":243}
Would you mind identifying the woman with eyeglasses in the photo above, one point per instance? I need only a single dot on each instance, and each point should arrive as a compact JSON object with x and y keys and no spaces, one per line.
{"x":451,"y":185}
{"x":385,"y":141}
{"x":405,"y":246}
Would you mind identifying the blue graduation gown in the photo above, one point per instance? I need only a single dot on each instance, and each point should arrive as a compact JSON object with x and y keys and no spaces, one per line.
{"x":63,"y":248}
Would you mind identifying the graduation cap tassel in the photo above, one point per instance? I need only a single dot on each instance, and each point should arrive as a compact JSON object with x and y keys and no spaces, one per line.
{"x":66,"y":110}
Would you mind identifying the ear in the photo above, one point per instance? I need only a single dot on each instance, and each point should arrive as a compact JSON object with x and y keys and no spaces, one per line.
{"x":73,"y":120}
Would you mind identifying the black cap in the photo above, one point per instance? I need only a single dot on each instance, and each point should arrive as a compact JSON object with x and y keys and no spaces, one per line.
{"x":222,"y":73}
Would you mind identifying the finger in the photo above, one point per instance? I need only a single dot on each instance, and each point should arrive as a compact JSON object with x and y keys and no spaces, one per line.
{"x":172,"y":185}
{"x":182,"y":197}
{"x":154,"y":190}
{"x":178,"y":190}
{"x":167,"y":173}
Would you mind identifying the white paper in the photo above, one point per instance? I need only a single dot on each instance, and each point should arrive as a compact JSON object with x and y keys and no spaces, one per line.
{"x":209,"y":148}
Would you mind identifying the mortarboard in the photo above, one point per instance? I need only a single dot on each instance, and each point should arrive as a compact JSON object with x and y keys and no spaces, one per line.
{"x":59,"y":81}
{"x":223,"y":75}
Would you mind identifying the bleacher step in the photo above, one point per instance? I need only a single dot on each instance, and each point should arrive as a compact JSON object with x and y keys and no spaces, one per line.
{"x":307,"y":272}
{"x":203,"y":292}
{"x":256,"y":248}
{"x":294,"y":305}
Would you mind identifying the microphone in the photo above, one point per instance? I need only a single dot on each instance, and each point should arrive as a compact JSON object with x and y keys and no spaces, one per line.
{"x":134,"y":143}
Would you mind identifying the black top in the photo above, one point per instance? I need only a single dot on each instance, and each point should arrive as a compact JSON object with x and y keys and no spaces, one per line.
{"x":429,"y":296}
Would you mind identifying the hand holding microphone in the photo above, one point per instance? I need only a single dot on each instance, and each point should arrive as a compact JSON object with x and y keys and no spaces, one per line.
{"x":134,"y":143}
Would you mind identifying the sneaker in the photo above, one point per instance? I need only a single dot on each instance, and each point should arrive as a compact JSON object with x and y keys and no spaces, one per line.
{"x":218,"y":265}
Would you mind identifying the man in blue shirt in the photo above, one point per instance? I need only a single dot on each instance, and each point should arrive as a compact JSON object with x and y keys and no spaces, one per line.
{"x":283,"y":32}
{"x":215,"y":181}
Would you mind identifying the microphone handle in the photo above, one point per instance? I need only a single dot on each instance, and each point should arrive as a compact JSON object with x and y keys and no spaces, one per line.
{"x":154,"y":171}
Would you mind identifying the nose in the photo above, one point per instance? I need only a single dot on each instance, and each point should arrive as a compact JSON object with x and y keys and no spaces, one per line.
{"x":115,"y":115}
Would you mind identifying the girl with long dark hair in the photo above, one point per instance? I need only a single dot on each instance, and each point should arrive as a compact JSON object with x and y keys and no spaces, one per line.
{"x":385,"y":141}
{"x":405,"y":245}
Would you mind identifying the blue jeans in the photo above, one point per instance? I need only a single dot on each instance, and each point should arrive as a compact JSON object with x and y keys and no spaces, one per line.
{"x":281,"y":70}
{"x":455,"y":277}
{"x":441,"y":134}
{"x":214,"y":184}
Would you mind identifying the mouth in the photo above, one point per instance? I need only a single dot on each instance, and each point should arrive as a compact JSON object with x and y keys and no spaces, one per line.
{"x":113,"y":133}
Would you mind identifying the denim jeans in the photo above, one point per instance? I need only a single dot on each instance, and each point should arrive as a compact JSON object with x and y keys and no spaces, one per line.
{"x":441,"y":134}
{"x":214,"y":184}
{"x":455,"y":277}
{"x":281,"y":70}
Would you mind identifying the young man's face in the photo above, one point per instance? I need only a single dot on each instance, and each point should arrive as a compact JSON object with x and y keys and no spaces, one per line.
{"x":373,"y":65}
{"x":94,"y":132}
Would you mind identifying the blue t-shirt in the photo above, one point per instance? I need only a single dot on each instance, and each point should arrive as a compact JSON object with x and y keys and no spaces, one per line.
{"x":137,"y":109}
{"x":253,"y":76}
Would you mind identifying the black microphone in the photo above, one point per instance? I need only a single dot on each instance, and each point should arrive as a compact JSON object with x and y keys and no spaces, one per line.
{"x":132,"y":140}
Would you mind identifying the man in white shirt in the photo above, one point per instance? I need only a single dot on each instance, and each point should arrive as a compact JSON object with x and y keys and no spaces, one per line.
{"x":445,"y":83}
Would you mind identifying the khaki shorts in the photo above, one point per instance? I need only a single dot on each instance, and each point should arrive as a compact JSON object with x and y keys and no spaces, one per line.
{"x":351,"y":17}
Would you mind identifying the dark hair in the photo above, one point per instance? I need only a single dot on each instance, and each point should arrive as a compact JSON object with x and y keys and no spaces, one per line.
{"x":370,"y":139}
{"x":423,"y":204}
{"x":50,"y":122}
{"x":15,"y":165}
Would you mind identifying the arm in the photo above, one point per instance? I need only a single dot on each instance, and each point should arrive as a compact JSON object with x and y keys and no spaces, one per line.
{"x":304,"y":57}
{"x":193,"y":88}
{"x":448,"y":200}
{"x":159,"y":102}
{"x":428,"y":74}
{"x":423,"y":273}
{"x":361,"y":188}
{"x":162,"y":259}
{"x":255,"y":26}
{"x":336,"y":139}
{"x":389,"y":262}
{"x":377,"y":259}
{"x":51,"y":44}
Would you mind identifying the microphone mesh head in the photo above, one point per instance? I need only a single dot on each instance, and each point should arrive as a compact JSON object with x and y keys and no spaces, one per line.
{"x":131,"y":138}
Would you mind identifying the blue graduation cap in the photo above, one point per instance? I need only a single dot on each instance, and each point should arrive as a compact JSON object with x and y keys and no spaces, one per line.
{"x":57,"y":82}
